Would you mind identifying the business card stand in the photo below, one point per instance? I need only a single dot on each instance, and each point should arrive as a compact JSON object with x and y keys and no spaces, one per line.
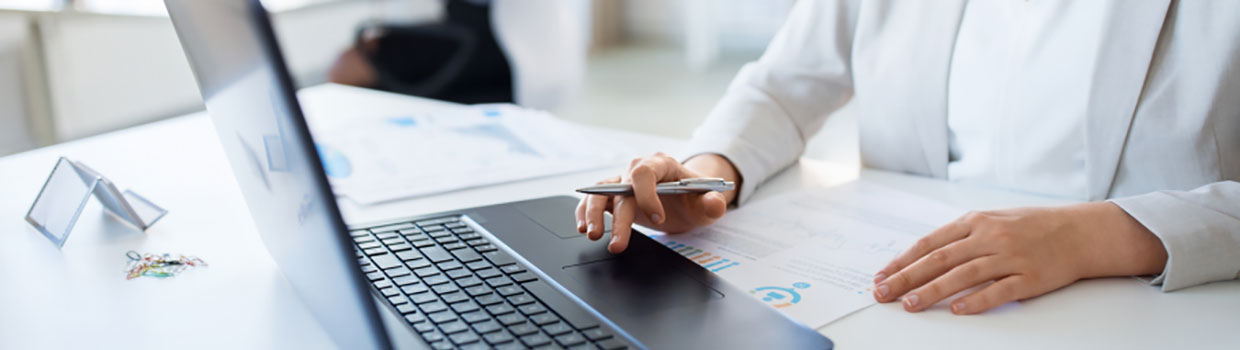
{"x":66,"y":192}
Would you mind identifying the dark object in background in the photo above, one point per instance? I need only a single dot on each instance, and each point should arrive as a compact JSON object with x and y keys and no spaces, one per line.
{"x":458,"y":60}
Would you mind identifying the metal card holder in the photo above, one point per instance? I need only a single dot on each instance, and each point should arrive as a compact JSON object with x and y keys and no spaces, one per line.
{"x":70,"y":186}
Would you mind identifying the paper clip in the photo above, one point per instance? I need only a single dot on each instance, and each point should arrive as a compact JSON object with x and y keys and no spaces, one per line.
{"x":159,"y":266}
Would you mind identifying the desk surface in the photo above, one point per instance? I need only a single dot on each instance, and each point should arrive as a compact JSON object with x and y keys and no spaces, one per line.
{"x":242,"y":300}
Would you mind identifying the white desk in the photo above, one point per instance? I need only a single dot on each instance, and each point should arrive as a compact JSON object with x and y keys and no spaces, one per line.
{"x":78,"y":297}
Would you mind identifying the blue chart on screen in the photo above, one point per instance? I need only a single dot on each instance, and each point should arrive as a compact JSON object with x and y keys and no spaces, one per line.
{"x":334,"y":163}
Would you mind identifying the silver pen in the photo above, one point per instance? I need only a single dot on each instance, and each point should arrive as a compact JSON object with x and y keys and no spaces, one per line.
{"x":696,"y":185}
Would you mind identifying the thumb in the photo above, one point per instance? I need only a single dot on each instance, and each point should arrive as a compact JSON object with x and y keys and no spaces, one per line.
{"x":713,"y":204}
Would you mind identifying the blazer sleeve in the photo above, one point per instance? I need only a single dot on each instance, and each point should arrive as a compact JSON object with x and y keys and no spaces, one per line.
{"x":775,"y":104}
{"x":1200,"y":230}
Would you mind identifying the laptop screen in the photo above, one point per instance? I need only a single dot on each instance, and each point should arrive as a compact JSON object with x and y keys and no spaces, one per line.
{"x":248,"y":92}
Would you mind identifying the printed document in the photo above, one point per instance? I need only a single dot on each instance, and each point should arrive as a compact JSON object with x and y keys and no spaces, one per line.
{"x":378,"y":159}
{"x":813,"y":254}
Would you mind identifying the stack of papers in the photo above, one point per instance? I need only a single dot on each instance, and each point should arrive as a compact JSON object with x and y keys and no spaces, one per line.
{"x":813,"y":254}
{"x":375,"y":160}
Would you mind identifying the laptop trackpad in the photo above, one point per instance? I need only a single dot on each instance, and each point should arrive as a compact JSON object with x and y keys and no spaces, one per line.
{"x":640,"y":285}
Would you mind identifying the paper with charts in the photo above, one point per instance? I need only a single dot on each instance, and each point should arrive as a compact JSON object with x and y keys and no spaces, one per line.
{"x":374,"y":160}
{"x":812,"y":254}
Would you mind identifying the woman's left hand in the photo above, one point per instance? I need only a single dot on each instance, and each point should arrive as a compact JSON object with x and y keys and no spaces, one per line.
{"x":1026,"y":252}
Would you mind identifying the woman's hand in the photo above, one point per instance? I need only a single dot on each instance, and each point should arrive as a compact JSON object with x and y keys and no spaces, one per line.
{"x":668,"y":213}
{"x":1025,"y":252}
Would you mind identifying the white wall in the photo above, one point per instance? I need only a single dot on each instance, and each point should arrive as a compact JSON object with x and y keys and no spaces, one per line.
{"x":745,"y":25}
{"x":14,"y":47}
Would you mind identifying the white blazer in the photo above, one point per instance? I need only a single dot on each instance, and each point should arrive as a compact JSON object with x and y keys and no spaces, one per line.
{"x":1163,"y":128}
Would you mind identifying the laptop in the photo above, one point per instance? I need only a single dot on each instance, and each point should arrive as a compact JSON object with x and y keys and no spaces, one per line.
{"x":508,"y":276}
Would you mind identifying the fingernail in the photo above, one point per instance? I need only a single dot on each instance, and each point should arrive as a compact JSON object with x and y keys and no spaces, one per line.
{"x":958,"y":307}
{"x":911,"y":300}
{"x":580,"y":224}
{"x":591,"y":228}
{"x":882,"y":290}
{"x":654,"y":218}
{"x":880,"y":277}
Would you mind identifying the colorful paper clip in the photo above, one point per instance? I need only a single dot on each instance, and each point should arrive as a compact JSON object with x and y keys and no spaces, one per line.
{"x":160,"y":266}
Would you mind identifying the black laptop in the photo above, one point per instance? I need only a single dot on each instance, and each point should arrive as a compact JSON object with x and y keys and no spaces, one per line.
{"x":508,"y":276}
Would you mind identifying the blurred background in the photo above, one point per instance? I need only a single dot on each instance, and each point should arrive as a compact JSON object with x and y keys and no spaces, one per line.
{"x":74,"y":68}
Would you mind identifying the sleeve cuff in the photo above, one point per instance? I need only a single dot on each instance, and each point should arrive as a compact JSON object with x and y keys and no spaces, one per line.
{"x":744,"y":158}
{"x":1196,"y":251}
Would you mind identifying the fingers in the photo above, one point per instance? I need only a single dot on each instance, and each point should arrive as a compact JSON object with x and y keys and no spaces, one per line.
{"x":590,"y":213}
{"x":961,"y":277}
{"x":1011,"y":288}
{"x":622,"y":223}
{"x":581,"y":214}
{"x":645,"y":175}
{"x":944,"y":235}
{"x":710,"y":206}
{"x":926,"y":269}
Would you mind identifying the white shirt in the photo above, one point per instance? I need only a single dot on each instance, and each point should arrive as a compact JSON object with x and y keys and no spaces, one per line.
{"x":1018,"y":89}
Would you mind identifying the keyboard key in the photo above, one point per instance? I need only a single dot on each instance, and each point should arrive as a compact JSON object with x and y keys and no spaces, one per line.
{"x":572,"y":312}
{"x":453,"y":327}
{"x":433,"y":336}
{"x":535,"y":340}
{"x":407,"y":308}
{"x":436,"y":254}
{"x":497,"y":337}
{"x":387,"y":235}
{"x":509,"y":291}
{"x":476,"y":242}
{"x":375,"y":251}
{"x":423,"y":327}
{"x":596,"y":334}
{"x":455,"y":225}
{"x":511,"y":269}
{"x":405,"y":280}
{"x":445,"y":288}
{"x":392,"y":227}
{"x":459,"y":274}
{"x":393,"y":240}
{"x":418,"y":264}
{"x":582,"y":346}
{"x":499,"y":258}
{"x":433,"y":307}
{"x":398,"y":299}
{"x":469,"y":236}
{"x":520,"y":299}
{"x":510,"y":319}
{"x":443,"y":345}
{"x":486,"y":248}
{"x":470,"y":281}
{"x":466,"y":255}
{"x":531,"y":309}
{"x":557,"y":328}
{"x":368,"y":267}
{"x":426,"y":272}
{"x":475,"y":317}
{"x":570,"y":339}
{"x":513,"y":345}
{"x":486,"y":327}
{"x":449,"y":265}
{"x":442,"y":317}
{"x":446,"y":240}
{"x":612,"y":344}
{"x":523,"y":277}
{"x":478,"y":265}
{"x":422,"y":244}
{"x":434,"y":280}
{"x":453,"y":298}
{"x":464,"y":338}
{"x":402,"y":246}
{"x":454,"y":246}
{"x":523,"y":329}
{"x":364,"y":239}
{"x":489,"y":299}
{"x":382,"y":284}
{"x":398,"y":272}
{"x":488,"y":273}
{"x":374,"y":276}
{"x":544,"y":318}
{"x":369,"y":245}
{"x":464,"y":307}
{"x":390,"y":291}
{"x":413,"y":288}
{"x":414,"y":317}
{"x":500,"y":309}
{"x":422,"y":298}
{"x":359,"y":233}
{"x":477,"y":290}
{"x":475,"y":346}
{"x":386,"y":261}
{"x":409,"y":255}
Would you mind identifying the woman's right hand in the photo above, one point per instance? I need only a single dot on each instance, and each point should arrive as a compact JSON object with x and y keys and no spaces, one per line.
{"x":668,"y":213}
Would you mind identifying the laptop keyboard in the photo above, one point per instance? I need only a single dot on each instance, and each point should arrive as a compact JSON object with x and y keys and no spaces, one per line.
{"x":458,"y":290}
